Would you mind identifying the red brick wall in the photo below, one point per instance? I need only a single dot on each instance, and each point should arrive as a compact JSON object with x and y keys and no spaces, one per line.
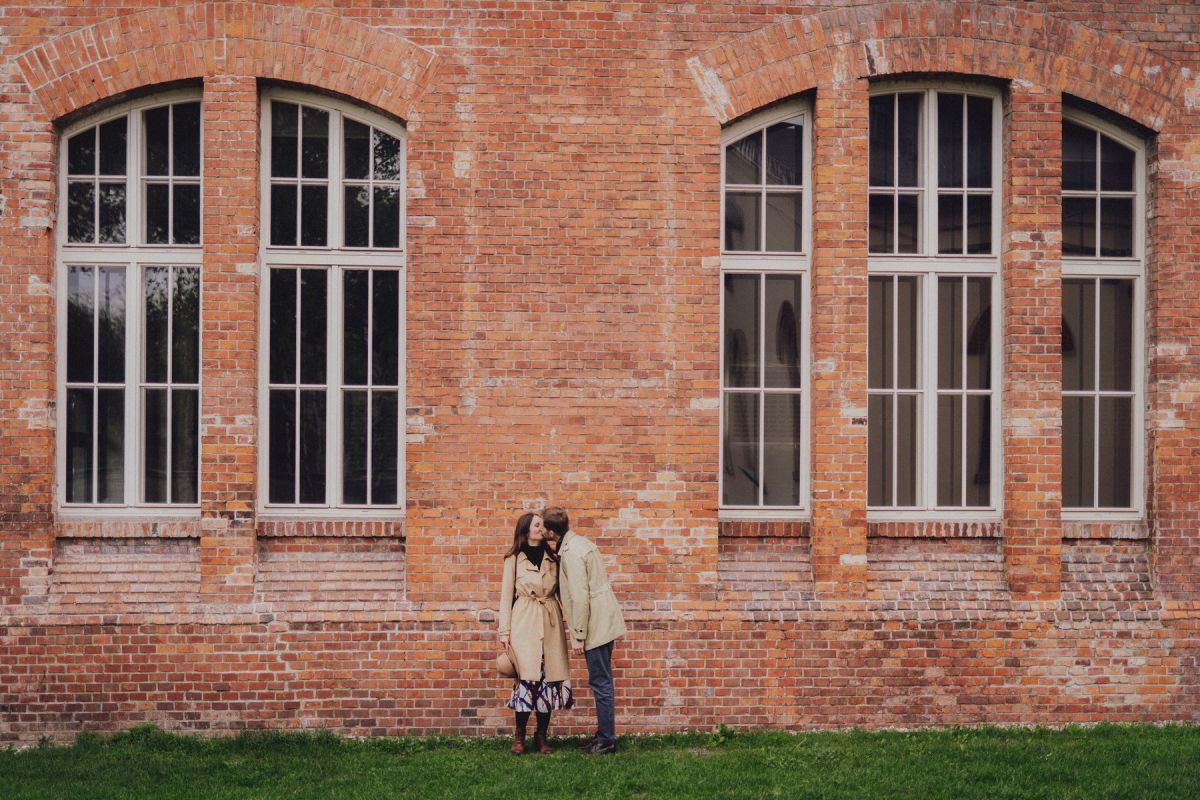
{"x":562,"y":331}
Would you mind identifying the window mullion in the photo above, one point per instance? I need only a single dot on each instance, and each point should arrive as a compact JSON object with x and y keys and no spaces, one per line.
{"x":928,"y":349}
{"x":334,"y":429}
{"x":762,"y":374}
{"x":1096,"y":391}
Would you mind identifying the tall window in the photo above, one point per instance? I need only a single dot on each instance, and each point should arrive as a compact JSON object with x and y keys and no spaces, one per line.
{"x":129,"y":256}
{"x":333,"y":372}
{"x":934,"y":280}
{"x":1103,"y":209}
{"x":764,"y":353}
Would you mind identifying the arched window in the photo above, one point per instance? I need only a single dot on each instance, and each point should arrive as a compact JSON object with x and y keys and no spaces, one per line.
{"x":332,"y":370}
{"x":1103,"y":230}
{"x":764,"y":312}
{"x":933,"y":408}
{"x":129,"y":238}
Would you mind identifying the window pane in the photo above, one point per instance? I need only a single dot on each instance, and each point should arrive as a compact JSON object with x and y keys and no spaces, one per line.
{"x":110,"y":446}
{"x":743,"y":160}
{"x":312,"y":325}
{"x":979,"y":333}
{"x":785,"y":153}
{"x":785,"y":216}
{"x":979,"y":224}
{"x":357,"y":140}
{"x":782,"y":428}
{"x":158,"y":213}
{"x":281,"y":470}
{"x":1078,"y":334}
{"x":356,"y":216}
{"x":284,"y":139}
{"x":185,"y":434}
{"x":314,"y":209}
{"x":385,"y":328}
{"x":1078,"y":451}
{"x":386,"y":217}
{"x":355,"y":317}
{"x":112,"y":213}
{"x":949,"y":456}
{"x":283,"y":214}
{"x":882,"y":225}
{"x":187,"y":213}
{"x":387,"y":157}
{"x":950,"y":223}
{"x":312,"y":447}
{"x":950,"y":325}
{"x":741,"y":221}
{"x":741,"y":330}
{"x":81,"y":212}
{"x":187,"y":139}
{"x":156,"y":294}
{"x":979,"y":450}
{"x":907,"y":433}
{"x":81,"y":153}
{"x":908,"y":222}
{"x":880,"y":326}
{"x":110,"y":305}
{"x":154,"y":460}
{"x":740,"y":450}
{"x":1116,"y":425}
{"x":908,"y":314}
{"x":384,"y":437}
{"x":1116,"y":335}
{"x":1079,"y":157}
{"x":1116,"y":166}
{"x":315,"y":151}
{"x":157,"y":123}
{"x":283,"y":326}
{"x":882,"y":140}
{"x":81,"y":293}
{"x":783,"y":332}
{"x":908,"y":143}
{"x":1079,"y":226}
{"x":185,"y":347}
{"x":354,"y":447}
{"x":1116,"y":227}
{"x":979,"y":142}
{"x":879,"y":450}
{"x":112,"y":146}
{"x":950,"y":139}
{"x":79,"y":445}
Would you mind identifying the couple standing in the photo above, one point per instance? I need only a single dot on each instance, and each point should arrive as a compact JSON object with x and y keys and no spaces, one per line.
{"x":548,"y":561}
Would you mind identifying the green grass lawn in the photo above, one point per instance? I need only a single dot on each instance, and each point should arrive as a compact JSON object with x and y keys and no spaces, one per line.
{"x":1109,"y":761}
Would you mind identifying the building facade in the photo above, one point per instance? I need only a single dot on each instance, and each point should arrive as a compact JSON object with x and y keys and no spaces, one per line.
{"x":859,"y":336}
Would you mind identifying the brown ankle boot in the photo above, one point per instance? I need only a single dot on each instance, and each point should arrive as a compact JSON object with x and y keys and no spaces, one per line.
{"x":518,"y":745}
{"x":539,"y":743}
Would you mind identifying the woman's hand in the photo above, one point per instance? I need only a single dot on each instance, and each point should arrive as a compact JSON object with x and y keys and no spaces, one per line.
{"x":503,"y":638}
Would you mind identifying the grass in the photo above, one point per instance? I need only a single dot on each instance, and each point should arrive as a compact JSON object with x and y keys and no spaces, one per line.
{"x":1107,"y":761}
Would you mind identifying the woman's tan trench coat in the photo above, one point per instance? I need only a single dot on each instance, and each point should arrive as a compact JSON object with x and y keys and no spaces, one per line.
{"x":534,"y":621}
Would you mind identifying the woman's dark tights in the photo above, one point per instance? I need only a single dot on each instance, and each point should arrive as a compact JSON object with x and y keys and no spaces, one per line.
{"x":543,"y":721}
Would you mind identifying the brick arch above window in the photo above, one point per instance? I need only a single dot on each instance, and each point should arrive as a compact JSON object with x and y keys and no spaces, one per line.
{"x":1038,"y":50}
{"x":278,"y":42}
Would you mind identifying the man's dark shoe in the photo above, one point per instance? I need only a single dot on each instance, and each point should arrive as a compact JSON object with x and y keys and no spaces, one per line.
{"x":589,"y":742}
{"x":599,"y":748}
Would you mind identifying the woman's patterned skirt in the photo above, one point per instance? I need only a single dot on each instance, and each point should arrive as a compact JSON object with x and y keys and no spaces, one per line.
{"x":541,"y":695}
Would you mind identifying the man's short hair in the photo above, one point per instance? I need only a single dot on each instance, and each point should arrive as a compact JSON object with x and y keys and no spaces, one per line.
{"x":555,"y":518}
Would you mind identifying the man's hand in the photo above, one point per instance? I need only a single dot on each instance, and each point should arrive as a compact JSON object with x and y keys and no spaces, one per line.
{"x":576,"y":645}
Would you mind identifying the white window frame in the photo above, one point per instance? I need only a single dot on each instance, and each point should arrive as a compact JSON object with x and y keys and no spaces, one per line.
{"x":766,"y":264}
{"x":336,"y":260}
{"x":1131,"y":268}
{"x":930,"y":265}
{"x":134,"y":256}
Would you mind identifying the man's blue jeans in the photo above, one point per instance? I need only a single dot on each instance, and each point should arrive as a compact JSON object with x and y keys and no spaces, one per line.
{"x":599,"y":664}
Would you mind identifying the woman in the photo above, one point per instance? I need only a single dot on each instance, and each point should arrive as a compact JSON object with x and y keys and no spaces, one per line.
{"x":531,"y":620}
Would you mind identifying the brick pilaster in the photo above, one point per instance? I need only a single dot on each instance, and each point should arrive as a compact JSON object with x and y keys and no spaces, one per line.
{"x":1032,"y":314}
{"x":839,"y":341}
{"x":229,"y":369}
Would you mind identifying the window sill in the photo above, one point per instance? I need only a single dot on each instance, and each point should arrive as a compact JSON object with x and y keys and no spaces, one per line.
{"x":127,"y":523}
{"x":330,"y":524}
{"x":1105,"y":526}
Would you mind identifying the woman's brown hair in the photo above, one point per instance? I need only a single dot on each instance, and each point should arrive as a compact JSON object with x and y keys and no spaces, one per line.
{"x":521,"y":536}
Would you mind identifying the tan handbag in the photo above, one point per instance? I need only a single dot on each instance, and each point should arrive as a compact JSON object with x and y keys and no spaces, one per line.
{"x":506,"y":662}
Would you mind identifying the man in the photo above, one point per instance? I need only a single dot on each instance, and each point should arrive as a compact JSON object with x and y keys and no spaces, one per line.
{"x":594,"y":619}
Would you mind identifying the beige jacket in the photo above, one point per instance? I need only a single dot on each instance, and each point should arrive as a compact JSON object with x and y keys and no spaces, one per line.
{"x":530,"y":617}
{"x":590,"y":605}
